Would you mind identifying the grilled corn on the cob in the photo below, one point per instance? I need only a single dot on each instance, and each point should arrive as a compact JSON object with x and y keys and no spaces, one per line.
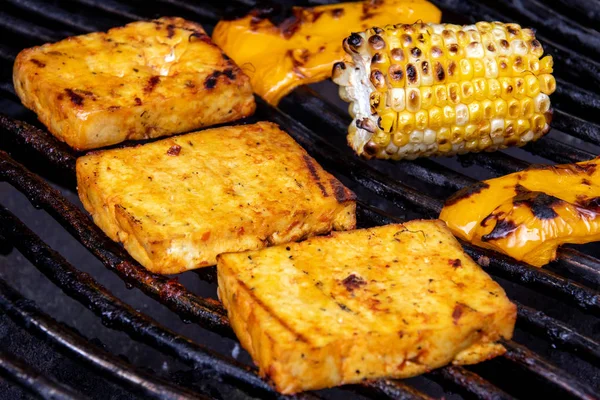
{"x":302,"y":49}
{"x":440,"y":89}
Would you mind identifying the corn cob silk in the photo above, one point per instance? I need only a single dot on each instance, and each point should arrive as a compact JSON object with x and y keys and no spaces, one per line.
{"x":441,"y":89}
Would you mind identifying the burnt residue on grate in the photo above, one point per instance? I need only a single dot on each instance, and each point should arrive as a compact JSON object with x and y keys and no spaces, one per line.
{"x":419,"y":187}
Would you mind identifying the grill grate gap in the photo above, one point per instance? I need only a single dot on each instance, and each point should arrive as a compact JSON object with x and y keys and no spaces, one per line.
{"x":428,"y":171}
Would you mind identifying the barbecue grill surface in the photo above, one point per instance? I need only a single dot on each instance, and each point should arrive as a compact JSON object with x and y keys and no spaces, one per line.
{"x":107,"y":349}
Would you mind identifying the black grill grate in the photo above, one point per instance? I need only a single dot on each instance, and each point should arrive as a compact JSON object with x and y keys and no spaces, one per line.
{"x":387,"y":192}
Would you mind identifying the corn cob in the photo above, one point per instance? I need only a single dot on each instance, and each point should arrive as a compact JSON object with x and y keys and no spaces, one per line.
{"x":441,"y":89}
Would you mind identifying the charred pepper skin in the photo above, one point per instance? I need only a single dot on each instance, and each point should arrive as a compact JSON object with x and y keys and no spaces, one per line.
{"x":440,"y":89}
{"x":303,"y":48}
{"x":529,"y":214}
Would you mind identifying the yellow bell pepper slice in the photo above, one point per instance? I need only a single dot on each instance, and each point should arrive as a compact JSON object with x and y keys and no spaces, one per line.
{"x":528,"y":214}
{"x":303,"y":48}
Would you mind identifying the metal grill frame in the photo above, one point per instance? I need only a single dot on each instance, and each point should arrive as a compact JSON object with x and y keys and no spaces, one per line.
{"x":574,"y":278}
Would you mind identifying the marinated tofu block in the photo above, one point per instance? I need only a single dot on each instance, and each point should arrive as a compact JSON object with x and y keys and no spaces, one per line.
{"x":392,"y":301}
{"x":177,"y":203}
{"x":144,"y":80}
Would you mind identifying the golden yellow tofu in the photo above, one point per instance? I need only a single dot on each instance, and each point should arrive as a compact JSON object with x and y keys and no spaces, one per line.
{"x":144,"y":80}
{"x":178,"y":202}
{"x":392,"y":301}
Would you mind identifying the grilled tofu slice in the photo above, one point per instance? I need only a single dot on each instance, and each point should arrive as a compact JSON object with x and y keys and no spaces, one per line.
{"x":177,"y":203}
{"x":396,"y":300}
{"x":144,"y":80}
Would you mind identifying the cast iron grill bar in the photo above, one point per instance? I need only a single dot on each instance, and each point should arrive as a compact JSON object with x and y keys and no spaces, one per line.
{"x":112,"y":7}
{"x":549,"y":282}
{"x":559,"y":152}
{"x":474,"y":384}
{"x":55,"y":194}
{"x":536,"y":365}
{"x":25,"y":313}
{"x":559,"y":333}
{"x":207,"y":312}
{"x":101,"y":240}
{"x":34,"y":33}
{"x":120,"y":316}
{"x":580,"y":10}
{"x":33,"y":381}
{"x":70,"y":20}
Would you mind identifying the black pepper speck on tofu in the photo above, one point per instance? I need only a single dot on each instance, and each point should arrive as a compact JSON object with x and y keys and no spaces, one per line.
{"x":357,"y":305}
{"x":146,"y":79}
{"x":178,"y":202}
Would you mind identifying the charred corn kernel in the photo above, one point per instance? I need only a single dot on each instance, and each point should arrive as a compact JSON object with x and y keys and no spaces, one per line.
{"x":396,"y":75}
{"x":514,"y":108}
{"x":480,"y":89}
{"x":413,"y":99}
{"x":506,"y":88}
{"x":449,"y":115}
{"x":406,"y":121}
{"x":527,"y":107}
{"x":542,"y":103}
{"x":467,"y":92}
{"x":381,"y":139}
{"x":547,"y":84}
{"x":387,"y":120}
{"x":377,"y":102}
{"x":534,"y":66}
{"x":522,"y":126}
{"x":471,"y":86}
{"x":426,"y":73}
{"x":454,"y":93}
{"x":427,"y":99}
{"x":532,"y":86}
{"x":436,"y":118}
{"x":500,"y":108}
{"x":484,"y":143}
{"x":397,"y":97}
{"x":475,"y":112}
{"x":504,"y":66}
{"x":400,"y":138}
{"x":466,"y":69}
{"x":457,"y":135}
{"x":421,"y":119}
{"x":440,"y":95}
{"x":487,"y":108}
{"x":546,"y":65}
{"x":519,"y":88}
{"x":471,"y":132}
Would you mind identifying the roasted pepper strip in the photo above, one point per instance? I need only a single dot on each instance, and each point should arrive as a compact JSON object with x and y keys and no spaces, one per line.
{"x":528,"y":214}
{"x":303,"y":48}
